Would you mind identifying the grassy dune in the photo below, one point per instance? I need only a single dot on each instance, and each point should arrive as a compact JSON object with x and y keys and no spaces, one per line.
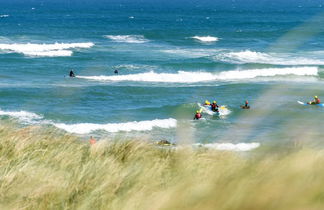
{"x":41,"y":168}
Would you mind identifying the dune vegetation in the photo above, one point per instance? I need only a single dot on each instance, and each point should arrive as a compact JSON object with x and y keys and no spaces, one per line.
{"x":43,"y":168}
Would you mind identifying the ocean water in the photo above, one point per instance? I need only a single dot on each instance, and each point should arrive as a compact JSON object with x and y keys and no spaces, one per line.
{"x":170,"y":56}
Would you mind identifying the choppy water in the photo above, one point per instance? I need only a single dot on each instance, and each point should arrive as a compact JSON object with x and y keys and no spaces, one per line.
{"x":169,"y":57}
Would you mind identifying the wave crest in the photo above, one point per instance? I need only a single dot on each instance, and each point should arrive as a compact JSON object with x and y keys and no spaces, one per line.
{"x":194,"y":77}
{"x":84,"y":128}
{"x":137,"y":39}
{"x":45,"y":50}
{"x":248,"y":56}
{"x":23,"y":116}
{"x":206,"y":38}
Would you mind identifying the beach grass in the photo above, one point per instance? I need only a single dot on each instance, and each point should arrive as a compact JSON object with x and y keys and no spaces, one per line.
{"x":43,"y":168}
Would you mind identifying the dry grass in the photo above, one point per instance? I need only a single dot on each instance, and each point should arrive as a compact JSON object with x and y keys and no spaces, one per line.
{"x":41,"y":168}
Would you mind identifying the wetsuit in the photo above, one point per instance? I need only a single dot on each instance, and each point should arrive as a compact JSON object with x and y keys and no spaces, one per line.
{"x":72,"y":74}
{"x":214,"y":107}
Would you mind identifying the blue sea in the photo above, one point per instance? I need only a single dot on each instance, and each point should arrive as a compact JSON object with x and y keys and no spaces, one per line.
{"x":170,"y":56}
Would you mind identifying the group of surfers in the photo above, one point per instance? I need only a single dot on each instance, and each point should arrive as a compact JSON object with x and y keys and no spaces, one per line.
{"x":215,"y":107}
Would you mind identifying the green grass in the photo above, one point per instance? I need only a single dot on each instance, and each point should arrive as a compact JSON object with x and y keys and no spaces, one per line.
{"x":42,"y":168}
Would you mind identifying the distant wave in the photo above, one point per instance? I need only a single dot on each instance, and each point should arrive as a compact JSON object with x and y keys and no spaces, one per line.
{"x":240,"y":147}
{"x":4,"y":16}
{"x":206,"y":38}
{"x":84,"y":128}
{"x":248,"y":56}
{"x":193,"y":77}
{"x":193,"y":53}
{"x":137,"y":39}
{"x":44,"y":50}
{"x":23,"y":116}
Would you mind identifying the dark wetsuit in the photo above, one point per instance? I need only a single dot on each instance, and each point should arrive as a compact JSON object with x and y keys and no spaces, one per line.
{"x":72,"y":74}
{"x":116,"y":71}
{"x":214,"y":107}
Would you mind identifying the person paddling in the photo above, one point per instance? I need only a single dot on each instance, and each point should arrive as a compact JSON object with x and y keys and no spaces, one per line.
{"x":315,"y":101}
{"x":72,"y":74}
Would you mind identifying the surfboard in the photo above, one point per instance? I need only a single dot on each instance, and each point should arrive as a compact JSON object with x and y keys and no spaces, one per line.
{"x":306,"y":104}
{"x":223,"y":110}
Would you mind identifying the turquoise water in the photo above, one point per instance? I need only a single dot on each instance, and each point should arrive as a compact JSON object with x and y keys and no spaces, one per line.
{"x":169,"y":57}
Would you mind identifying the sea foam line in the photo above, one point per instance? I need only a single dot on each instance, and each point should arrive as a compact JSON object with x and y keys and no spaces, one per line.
{"x":248,"y":56}
{"x":84,"y":128}
{"x":240,"y":147}
{"x":4,"y":16}
{"x":45,"y":50}
{"x":137,"y":39}
{"x":194,"y":77}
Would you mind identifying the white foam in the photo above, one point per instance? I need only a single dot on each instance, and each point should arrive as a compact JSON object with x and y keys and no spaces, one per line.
{"x":84,"y":128}
{"x":45,"y":50}
{"x":194,"y":77}
{"x":54,"y":53}
{"x":240,"y":147}
{"x":206,"y":38}
{"x":22,"y":116}
{"x":4,"y":16}
{"x":137,"y":39}
{"x":248,"y":56}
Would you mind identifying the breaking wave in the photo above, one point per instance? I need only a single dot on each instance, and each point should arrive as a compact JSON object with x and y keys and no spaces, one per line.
{"x":206,"y":38}
{"x":137,"y":39}
{"x":44,"y":50}
{"x":193,"y":77}
{"x":4,"y":16}
{"x":248,"y":56}
{"x":22,"y":116}
{"x":240,"y":147}
{"x":84,"y":128}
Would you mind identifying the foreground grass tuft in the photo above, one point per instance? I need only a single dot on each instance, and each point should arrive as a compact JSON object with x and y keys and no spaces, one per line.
{"x":41,"y":168}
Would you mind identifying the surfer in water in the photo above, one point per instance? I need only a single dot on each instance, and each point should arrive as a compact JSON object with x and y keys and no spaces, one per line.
{"x":198,"y":115}
{"x":72,"y":74}
{"x":246,"y":105}
{"x":214,"y":106}
{"x":116,"y":71}
{"x":315,"y":101}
